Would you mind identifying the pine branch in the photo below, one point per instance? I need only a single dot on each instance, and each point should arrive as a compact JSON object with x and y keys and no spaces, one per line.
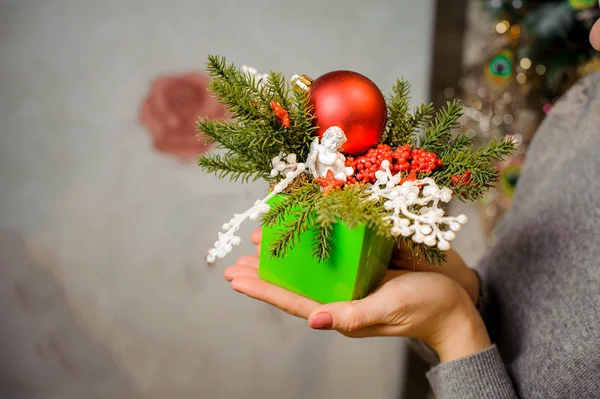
{"x":230,"y":165}
{"x":431,"y":255}
{"x":288,"y":236}
{"x":499,"y":148}
{"x":240,"y":136}
{"x":457,"y":143}
{"x":439,"y":133}
{"x":278,"y":89}
{"x":479,"y":162}
{"x":420,"y":119}
{"x":300,"y":133}
{"x":300,"y":195}
{"x":398,"y":126}
{"x":353,"y":207}
{"x":297,"y":222}
{"x":237,"y":90}
{"x":245,"y":140}
{"x":256,"y":134}
{"x":322,"y":242}
{"x":403,"y":127}
{"x":341,"y":205}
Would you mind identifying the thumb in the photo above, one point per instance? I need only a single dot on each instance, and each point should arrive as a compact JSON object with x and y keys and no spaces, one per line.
{"x":349,"y":316}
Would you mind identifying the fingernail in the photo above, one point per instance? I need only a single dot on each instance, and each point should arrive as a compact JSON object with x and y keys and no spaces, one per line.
{"x":321,"y":321}
{"x":228,"y":278}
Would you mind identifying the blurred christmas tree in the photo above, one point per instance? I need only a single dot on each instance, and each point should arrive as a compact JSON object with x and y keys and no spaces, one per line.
{"x":530,"y":53}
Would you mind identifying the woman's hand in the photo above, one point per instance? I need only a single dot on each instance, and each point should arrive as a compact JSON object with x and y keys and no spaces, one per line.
{"x":425,"y":305}
{"x":455,"y":268}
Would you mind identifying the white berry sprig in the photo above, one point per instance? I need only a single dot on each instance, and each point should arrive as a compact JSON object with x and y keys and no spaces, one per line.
{"x":283,"y":164}
{"x":227,"y":238}
{"x":424,"y":225}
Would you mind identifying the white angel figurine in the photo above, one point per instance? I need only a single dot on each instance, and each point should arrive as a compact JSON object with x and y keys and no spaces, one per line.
{"x":325,"y":156}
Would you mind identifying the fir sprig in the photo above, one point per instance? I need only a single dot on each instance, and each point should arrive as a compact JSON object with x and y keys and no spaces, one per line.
{"x":300,"y":133}
{"x":439,"y":133}
{"x":279,"y":89}
{"x":420,"y":119}
{"x":323,"y":242}
{"x":300,"y":195}
{"x":245,"y":141}
{"x":398,"y":132}
{"x":431,"y":255}
{"x":297,"y":221}
{"x":254,"y":136}
{"x":290,"y":211}
{"x":459,"y":142}
{"x":480,"y":163}
{"x":404,"y":127}
{"x":353,"y":206}
{"x":237,"y":90}
{"x":230,"y":165}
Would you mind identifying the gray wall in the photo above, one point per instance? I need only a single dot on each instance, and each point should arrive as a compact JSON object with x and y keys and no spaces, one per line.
{"x":104,"y":292}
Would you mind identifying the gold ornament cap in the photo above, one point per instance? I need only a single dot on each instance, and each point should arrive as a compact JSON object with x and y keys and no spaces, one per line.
{"x":301,"y":82}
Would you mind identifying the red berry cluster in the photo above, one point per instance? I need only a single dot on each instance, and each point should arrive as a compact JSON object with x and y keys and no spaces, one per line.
{"x":366,"y":165}
{"x":423,"y":161}
{"x":403,"y":159}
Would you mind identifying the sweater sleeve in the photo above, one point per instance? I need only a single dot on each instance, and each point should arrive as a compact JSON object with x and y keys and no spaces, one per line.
{"x":482,"y":375}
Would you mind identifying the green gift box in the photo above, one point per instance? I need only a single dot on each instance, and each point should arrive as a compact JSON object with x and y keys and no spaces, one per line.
{"x":358,"y":260}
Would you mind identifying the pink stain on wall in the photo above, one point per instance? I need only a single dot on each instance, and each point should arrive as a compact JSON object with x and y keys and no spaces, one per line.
{"x":171,"y":109}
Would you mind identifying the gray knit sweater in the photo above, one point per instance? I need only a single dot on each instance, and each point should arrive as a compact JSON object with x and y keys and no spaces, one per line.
{"x":542,"y":277}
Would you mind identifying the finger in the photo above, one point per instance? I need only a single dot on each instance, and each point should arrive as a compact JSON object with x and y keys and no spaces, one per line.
{"x":248,"y":260}
{"x":256,"y":236}
{"x":238,"y":270}
{"x":352,"y":316}
{"x":258,"y":250}
{"x":381,"y":307}
{"x":285,"y":300}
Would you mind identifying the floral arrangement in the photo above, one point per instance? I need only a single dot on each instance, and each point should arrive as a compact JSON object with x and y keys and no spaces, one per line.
{"x":335,"y":150}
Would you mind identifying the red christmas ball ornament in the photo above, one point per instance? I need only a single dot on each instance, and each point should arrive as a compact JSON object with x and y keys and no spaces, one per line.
{"x":352,"y":102}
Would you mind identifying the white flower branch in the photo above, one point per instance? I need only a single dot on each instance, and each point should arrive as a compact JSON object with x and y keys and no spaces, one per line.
{"x":227,"y":239}
{"x":283,"y":164}
{"x":424,"y":226}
